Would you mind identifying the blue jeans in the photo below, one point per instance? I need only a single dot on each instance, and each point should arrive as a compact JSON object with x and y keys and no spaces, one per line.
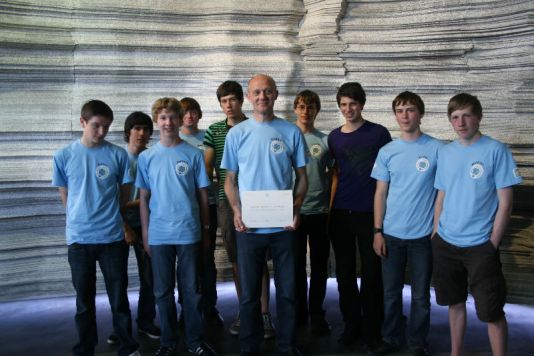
{"x":146,"y":308}
{"x":113,"y":261}
{"x":418,"y":253}
{"x":187,"y":273}
{"x":251,"y":254}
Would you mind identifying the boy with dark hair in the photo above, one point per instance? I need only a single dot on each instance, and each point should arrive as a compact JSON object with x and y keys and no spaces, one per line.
{"x":190,"y":133}
{"x":403,"y":211}
{"x":230,"y":96}
{"x":354,"y":147}
{"x":474,"y":179}
{"x":94,"y":185}
{"x":175,"y":222}
{"x":313,"y":217}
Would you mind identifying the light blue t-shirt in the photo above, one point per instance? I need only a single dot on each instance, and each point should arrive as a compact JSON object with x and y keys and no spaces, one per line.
{"x":132,"y":216}
{"x":470,"y":176}
{"x":172,"y":175}
{"x":196,"y":140}
{"x":264,"y":155}
{"x":317,"y":197}
{"x":409,"y":167}
{"x":92,"y":177}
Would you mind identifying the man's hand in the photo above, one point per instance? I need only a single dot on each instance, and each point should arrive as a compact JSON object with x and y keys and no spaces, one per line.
{"x":238,"y":222}
{"x":379,"y":245}
{"x":130,"y":237}
{"x":295,"y":224}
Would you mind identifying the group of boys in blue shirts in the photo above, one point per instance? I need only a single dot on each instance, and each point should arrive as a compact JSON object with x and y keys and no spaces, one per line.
{"x":441,"y":208}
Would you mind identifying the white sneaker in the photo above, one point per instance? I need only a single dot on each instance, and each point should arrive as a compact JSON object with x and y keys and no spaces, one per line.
{"x":236,"y":325}
{"x":268,"y":327}
{"x":135,"y":353}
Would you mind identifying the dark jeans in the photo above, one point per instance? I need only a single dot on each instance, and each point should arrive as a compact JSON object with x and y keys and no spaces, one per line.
{"x":312,"y":230}
{"x":362,"y":310}
{"x":186,"y":271}
{"x":251,"y":255}
{"x":146,"y":308}
{"x":113,"y":261}
{"x":208,"y":271}
{"x":208,"y":276}
{"x":418,"y":253}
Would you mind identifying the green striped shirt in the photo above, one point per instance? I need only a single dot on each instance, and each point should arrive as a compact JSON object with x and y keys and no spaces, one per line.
{"x":214,"y":138}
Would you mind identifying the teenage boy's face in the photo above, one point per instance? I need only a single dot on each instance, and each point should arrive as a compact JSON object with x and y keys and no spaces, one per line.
{"x":191,"y":119}
{"x":139,"y":136}
{"x":465,"y":123}
{"x":168,"y":123}
{"x":408,"y":117}
{"x":350,"y":109}
{"x":306,"y":113}
{"x":231,"y":106}
{"x":95,"y":129}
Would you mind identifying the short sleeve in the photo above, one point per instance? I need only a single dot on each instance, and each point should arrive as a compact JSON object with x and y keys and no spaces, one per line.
{"x":300,"y":158}
{"x":59,"y":177}
{"x":229,"y":159}
{"x":380,"y":168}
{"x":124,"y":168}
{"x":142,"y":180}
{"x":506,"y":172}
{"x":208,"y":138}
{"x":201,"y":178}
{"x":440,"y":170}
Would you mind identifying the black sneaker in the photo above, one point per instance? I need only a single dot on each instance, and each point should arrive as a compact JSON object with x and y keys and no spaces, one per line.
{"x":204,"y":350}
{"x":420,"y":352}
{"x":293,"y":352}
{"x":320,"y":327}
{"x":166,"y":351}
{"x":349,"y":336}
{"x":213,"y":317}
{"x":383,"y":347}
{"x":113,"y":339}
{"x":151,"y":331}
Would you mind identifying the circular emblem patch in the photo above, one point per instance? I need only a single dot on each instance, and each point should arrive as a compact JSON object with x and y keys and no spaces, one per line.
{"x":477,"y":170}
{"x":315,"y":150}
{"x":277,"y":145}
{"x":422,"y":164}
{"x":181,"y":168}
{"x":102,"y":171}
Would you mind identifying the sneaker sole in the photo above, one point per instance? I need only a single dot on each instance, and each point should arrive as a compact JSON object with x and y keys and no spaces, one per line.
{"x":147,"y":334}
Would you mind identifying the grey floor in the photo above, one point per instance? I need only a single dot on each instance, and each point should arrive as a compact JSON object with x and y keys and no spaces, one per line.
{"x":46,"y":327}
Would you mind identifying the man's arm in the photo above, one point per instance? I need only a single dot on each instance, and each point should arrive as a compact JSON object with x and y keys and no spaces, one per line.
{"x":124,"y":194}
{"x":301,"y":187}
{"x":504,"y":210}
{"x":209,"y":159}
{"x":232,"y":193}
{"x":144,"y":212}
{"x":202,"y":196}
{"x":379,"y":244}
{"x":63,"y":194}
{"x":333,"y":186}
{"x":438,"y":207}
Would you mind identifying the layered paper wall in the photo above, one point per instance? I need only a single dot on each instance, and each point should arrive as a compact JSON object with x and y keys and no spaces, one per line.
{"x":55,"y":55}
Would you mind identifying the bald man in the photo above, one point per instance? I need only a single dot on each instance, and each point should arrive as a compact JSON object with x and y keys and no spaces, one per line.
{"x":276,"y":148}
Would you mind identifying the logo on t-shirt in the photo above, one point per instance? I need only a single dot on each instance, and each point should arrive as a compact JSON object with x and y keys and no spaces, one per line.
{"x":316,"y":150}
{"x":181,"y":168}
{"x":102,"y":171}
{"x":477,"y":170}
{"x":516,"y":173}
{"x":277,"y":145}
{"x":422,"y":164}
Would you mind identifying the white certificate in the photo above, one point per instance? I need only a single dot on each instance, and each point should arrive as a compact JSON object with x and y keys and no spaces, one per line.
{"x":267,"y":208}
